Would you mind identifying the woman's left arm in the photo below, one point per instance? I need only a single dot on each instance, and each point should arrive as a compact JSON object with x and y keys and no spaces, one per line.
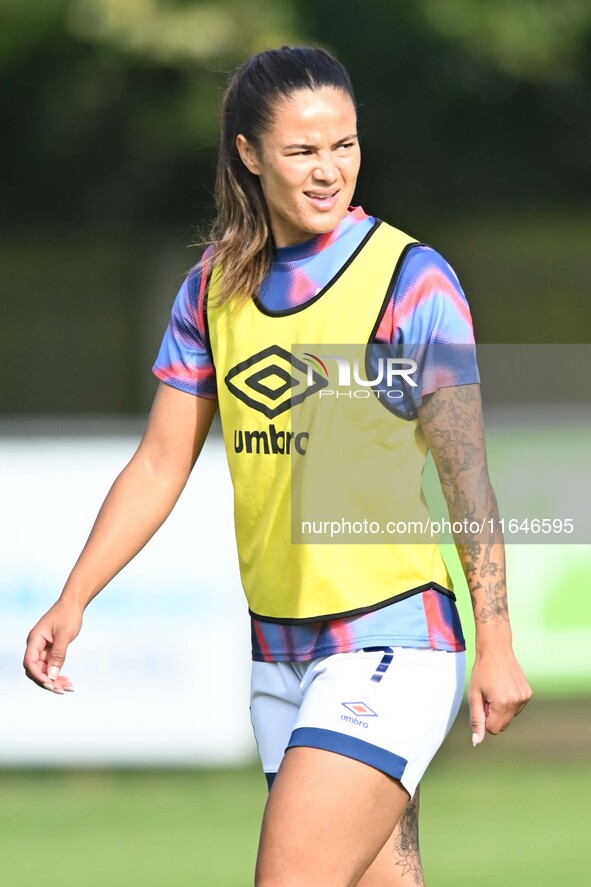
{"x":451,"y":420}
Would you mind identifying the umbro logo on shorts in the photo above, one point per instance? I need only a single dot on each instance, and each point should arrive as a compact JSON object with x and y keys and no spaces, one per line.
{"x":273,"y":380}
{"x":360,"y":709}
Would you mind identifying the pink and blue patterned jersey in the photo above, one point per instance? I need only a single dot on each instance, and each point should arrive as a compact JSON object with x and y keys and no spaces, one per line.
{"x":427,"y":306}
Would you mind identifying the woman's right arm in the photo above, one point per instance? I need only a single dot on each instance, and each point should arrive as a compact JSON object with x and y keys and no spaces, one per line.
{"x":137,"y":504}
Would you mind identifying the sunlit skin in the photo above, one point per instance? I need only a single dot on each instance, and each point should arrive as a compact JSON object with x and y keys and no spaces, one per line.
{"x":307,"y":163}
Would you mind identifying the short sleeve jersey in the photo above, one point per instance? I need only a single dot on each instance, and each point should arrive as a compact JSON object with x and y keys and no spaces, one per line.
{"x":427,"y":306}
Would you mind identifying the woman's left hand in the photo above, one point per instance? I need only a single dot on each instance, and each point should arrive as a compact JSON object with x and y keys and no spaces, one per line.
{"x":498,"y":691}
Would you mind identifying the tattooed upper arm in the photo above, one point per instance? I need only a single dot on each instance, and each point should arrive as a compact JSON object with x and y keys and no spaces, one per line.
{"x":451,"y":420}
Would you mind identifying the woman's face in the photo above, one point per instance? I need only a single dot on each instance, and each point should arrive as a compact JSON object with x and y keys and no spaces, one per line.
{"x":307,"y":163}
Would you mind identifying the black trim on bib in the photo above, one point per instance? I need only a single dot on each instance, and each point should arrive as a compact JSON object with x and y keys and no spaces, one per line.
{"x":391,"y":407}
{"x":428,"y":586}
{"x":205,"y":315}
{"x":297,"y":308}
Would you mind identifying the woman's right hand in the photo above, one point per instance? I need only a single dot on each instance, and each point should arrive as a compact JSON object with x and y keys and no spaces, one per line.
{"x":47,"y":645}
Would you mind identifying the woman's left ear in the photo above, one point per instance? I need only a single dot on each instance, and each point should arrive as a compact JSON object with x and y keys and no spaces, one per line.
{"x":248,"y":154}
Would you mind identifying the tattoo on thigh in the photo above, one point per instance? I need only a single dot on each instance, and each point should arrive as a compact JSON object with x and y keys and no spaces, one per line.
{"x":406,"y":843}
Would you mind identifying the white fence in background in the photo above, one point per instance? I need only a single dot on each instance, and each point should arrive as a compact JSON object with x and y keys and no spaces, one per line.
{"x":161,"y":667}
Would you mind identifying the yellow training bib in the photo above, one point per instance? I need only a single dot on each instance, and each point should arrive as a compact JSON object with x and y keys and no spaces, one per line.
{"x":321,"y":462}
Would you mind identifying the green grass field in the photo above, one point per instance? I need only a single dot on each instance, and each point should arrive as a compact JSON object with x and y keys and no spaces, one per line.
{"x":514,"y":811}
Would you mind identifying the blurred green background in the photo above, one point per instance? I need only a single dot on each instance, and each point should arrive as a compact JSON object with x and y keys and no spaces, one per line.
{"x":475,"y":122}
{"x":515,"y":811}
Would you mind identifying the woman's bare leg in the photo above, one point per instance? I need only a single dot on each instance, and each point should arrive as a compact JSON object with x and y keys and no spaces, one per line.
{"x":398,"y":864}
{"x":326,"y":820}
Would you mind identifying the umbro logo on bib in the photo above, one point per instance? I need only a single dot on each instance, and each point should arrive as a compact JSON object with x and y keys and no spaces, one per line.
{"x":273,"y":381}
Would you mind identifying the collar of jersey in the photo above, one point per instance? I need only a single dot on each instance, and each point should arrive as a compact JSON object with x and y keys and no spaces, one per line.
{"x":283,"y":255}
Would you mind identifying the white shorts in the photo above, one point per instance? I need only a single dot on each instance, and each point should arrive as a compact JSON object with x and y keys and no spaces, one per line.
{"x":390,"y":707}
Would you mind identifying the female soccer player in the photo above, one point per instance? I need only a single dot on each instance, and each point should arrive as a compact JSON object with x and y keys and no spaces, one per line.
{"x":358,"y":651}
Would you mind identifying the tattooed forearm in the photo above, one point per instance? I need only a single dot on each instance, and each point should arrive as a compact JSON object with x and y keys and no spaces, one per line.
{"x":485,"y":575}
{"x":495,"y":603}
{"x":406,"y":843}
{"x":451,"y":421}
